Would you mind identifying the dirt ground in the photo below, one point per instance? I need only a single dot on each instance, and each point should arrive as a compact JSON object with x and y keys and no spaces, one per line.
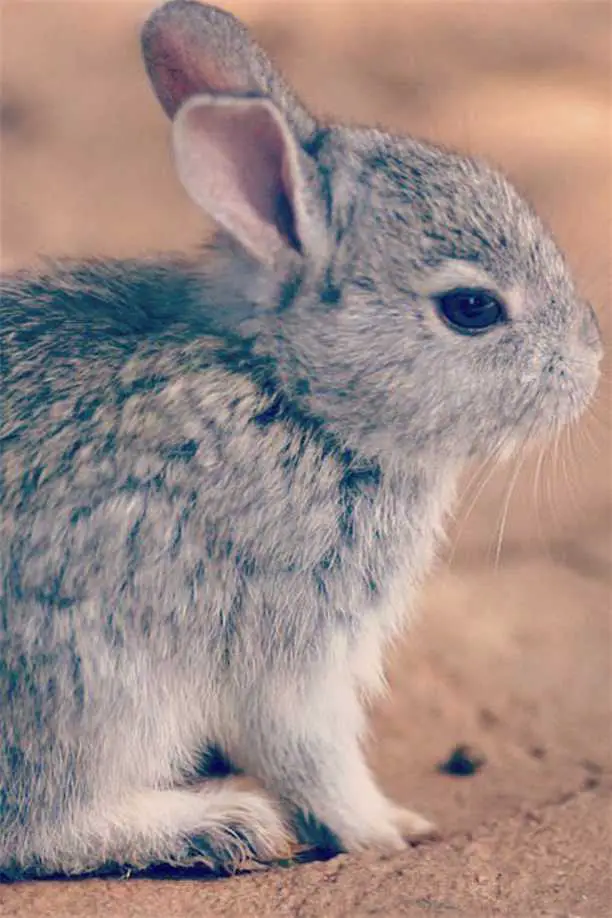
{"x":512,"y":654}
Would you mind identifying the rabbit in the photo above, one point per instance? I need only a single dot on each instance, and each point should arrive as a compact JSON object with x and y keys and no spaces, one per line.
{"x":226,"y":476}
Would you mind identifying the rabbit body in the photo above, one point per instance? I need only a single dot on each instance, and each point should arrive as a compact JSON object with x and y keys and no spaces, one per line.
{"x":223,"y":480}
{"x":193,"y":562}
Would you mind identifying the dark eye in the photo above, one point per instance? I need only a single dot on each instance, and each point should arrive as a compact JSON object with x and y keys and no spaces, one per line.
{"x":470,"y":310}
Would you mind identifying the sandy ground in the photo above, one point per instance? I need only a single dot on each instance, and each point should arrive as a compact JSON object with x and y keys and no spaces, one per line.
{"x":512,"y":654}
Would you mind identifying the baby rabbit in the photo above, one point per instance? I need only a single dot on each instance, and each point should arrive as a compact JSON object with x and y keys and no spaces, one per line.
{"x":223,"y":479}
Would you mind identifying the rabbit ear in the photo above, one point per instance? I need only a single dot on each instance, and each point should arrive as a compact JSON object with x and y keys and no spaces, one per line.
{"x":191,"y":48}
{"x":238,"y":160}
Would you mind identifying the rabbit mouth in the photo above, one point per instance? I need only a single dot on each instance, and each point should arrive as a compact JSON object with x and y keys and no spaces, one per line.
{"x":557,"y":409}
{"x":573,"y":383}
{"x":562,"y":403}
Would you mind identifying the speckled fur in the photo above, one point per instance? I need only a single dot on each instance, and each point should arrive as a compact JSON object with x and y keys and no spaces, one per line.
{"x":223,"y":483}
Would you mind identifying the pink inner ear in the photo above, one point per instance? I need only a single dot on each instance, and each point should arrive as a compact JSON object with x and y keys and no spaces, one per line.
{"x":233,"y":160}
{"x":180,"y":68}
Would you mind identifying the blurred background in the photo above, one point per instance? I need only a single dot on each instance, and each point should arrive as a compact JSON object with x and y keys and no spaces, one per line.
{"x":512,"y":653}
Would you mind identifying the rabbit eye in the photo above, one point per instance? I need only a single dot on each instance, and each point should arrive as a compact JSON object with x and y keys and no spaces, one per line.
{"x":471,"y":311}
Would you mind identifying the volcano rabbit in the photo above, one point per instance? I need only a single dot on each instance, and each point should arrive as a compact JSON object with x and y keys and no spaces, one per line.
{"x":224,"y":478}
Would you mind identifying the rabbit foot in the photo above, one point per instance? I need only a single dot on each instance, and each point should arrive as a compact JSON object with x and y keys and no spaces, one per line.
{"x":414,"y":827}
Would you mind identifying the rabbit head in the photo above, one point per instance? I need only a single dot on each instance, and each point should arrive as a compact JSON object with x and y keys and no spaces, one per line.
{"x":408,"y":296}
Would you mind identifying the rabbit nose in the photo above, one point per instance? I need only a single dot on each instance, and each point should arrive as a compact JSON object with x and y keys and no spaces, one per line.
{"x":590,"y":333}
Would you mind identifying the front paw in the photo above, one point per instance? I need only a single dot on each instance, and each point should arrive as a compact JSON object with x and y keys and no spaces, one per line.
{"x":387,"y":839}
{"x":413,"y":827}
{"x":383,"y":836}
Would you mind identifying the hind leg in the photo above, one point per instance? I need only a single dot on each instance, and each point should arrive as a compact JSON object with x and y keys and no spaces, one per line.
{"x":75,"y":799}
{"x":219,"y":824}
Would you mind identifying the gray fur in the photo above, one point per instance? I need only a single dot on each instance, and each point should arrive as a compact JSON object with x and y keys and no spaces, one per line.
{"x":223,"y":482}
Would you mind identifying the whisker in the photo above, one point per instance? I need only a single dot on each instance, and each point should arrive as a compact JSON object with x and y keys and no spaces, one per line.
{"x":537,"y":482}
{"x":467,"y":511}
{"x":493,"y":461}
{"x":555,"y":476}
{"x":568,"y":455}
{"x":506,"y":505}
